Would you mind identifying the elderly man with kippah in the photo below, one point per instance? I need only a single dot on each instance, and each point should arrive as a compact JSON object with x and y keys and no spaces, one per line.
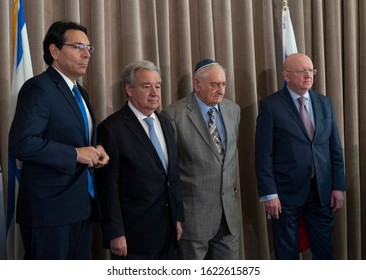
{"x":206,"y":128}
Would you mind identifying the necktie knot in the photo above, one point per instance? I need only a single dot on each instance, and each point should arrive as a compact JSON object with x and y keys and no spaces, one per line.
{"x":76,"y":90}
{"x":302,"y":100}
{"x":211,"y":113}
{"x":149,"y":122}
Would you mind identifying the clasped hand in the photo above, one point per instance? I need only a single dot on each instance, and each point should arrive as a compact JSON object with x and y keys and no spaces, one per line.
{"x":93,"y":157}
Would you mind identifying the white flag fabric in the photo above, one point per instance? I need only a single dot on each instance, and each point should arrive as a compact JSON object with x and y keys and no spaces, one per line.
{"x":22,"y":71}
{"x":288,"y":35}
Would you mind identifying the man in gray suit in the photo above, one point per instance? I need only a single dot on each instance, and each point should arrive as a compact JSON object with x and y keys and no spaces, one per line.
{"x":206,"y":128}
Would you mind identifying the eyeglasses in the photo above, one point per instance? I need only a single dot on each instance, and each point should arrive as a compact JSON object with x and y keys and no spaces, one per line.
{"x":303,"y":72}
{"x":80,"y":47}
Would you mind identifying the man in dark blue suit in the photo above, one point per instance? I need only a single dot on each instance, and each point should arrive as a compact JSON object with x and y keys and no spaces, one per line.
{"x":55,"y":139}
{"x":299,"y":162}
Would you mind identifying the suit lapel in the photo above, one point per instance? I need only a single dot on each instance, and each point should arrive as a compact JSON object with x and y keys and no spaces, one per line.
{"x":315,"y":103}
{"x":168,"y":141}
{"x":199,"y":123}
{"x":290,"y":106}
{"x":136,"y":128}
{"x":90,"y":109}
{"x":65,"y":90}
{"x":229,"y":126}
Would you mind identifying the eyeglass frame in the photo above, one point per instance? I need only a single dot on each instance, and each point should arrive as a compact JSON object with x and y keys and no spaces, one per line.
{"x":80,"y":46}
{"x":303,"y":72}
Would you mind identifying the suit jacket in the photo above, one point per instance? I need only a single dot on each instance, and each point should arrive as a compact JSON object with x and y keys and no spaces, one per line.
{"x":139,"y":199}
{"x":209,"y":187}
{"x":284,"y":153}
{"x":46,"y":129}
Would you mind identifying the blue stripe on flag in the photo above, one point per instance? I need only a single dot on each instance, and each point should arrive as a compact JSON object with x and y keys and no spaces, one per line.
{"x":21,"y":23}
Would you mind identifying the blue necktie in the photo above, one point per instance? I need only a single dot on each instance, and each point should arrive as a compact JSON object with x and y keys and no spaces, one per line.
{"x":154,"y":139}
{"x":79,"y":100}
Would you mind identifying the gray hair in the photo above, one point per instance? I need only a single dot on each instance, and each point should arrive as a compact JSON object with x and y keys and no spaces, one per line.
{"x":202,"y":73}
{"x":128,"y":74}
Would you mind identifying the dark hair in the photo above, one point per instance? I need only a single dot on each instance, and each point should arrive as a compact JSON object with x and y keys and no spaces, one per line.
{"x":56,"y":35}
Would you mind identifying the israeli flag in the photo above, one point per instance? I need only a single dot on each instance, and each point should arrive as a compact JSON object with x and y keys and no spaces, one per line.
{"x":22,"y":71}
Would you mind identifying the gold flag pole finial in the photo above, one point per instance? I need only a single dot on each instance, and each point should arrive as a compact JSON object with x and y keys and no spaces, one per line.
{"x":284,"y":4}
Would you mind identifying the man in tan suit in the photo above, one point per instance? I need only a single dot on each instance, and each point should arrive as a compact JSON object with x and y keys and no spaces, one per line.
{"x":206,"y":128}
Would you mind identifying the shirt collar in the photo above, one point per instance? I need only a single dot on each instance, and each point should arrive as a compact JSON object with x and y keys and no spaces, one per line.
{"x":203,"y":106}
{"x":295,"y":96}
{"x":138,"y":114}
{"x":67,"y":80}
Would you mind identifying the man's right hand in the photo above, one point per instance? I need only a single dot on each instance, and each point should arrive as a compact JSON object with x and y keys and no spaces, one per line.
{"x":273,"y":208}
{"x":119,"y":246}
{"x":88,"y":155}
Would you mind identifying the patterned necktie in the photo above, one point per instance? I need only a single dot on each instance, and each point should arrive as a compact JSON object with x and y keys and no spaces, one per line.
{"x":80,"y":103}
{"x":215,"y":133}
{"x":154,"y":139}
{"x":305,"y":117}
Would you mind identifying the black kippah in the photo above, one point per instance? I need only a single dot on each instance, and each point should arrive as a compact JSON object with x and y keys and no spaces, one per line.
{"x":204,"y":63}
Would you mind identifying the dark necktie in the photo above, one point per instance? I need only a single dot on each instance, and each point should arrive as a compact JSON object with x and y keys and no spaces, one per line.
{"x":154,"y":139}
{"x":80,"y":103}
{"x":215,"y":133}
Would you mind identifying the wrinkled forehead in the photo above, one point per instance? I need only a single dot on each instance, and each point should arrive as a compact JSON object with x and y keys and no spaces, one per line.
{"x":214,"y":72}
{"x":147,"y":75}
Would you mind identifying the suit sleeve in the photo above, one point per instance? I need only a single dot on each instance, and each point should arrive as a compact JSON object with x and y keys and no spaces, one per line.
{"x":28,"y":136}
{"x":176,"y":179}
{"x":166,"y":113}
{"x":177,"y":195}
{"x":107,"y":179}
{"x":336,"y":153}
{"x":264,"y":152}
{"x":169,"y":125}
